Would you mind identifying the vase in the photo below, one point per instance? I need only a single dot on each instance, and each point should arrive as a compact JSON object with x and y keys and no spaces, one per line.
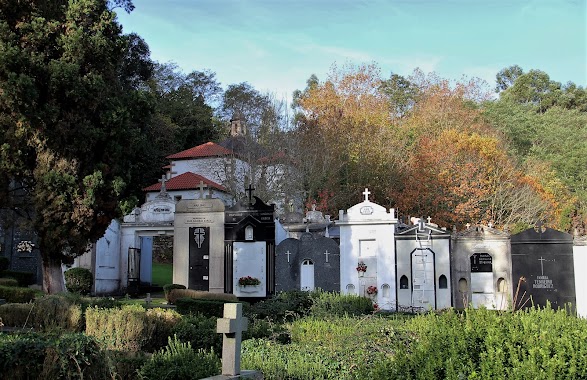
{"x":361,"y":273}
{"x":249,"y":288}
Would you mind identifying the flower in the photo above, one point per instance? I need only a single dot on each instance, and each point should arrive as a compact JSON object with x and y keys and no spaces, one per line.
{"x":248,"y":280}
{"x":361,"y":267}
{"x":372,"y":290}
{"x":25,"y":246}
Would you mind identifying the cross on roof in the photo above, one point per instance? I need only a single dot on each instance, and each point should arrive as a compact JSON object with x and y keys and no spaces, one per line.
{"x":366,"y":194}
{"x":163,"y":180}
{"x":201,"y":187}
{"x":231,"y":326}
{"x":250,"y":191}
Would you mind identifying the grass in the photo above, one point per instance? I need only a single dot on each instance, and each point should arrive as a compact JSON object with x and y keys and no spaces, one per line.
{"x":162,"y":274}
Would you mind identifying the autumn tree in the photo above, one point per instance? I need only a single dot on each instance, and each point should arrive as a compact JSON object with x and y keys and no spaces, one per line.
{"x":70,"y":122}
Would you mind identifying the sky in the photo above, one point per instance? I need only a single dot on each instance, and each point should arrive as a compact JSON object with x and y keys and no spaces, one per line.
{"x":275,"y":45}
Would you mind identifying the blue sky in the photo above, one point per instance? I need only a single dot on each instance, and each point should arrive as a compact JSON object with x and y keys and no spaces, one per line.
{"x":275,"y":45}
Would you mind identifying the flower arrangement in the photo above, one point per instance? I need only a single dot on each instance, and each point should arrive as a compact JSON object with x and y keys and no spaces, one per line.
{"x":361,"y":267}
{"x":25,"y":246}
{"x":248,"y":280}
{"x":372,"y":290}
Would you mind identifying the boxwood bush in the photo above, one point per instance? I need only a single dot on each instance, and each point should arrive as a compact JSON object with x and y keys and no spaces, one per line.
{"x":16,"y":294}
{"x":79,"y":280}
{"x":208,"y":308}
{"x":169,"y":287}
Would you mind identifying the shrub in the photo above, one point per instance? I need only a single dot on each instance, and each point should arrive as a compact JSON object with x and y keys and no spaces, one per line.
{"x":284,"y":306}
{"x":16,"y":295}
{"x":57,"y":312}
{"x":24,"y":278}
{"x":334,"y":304}
{"x":208,"y":308}
{"x":179,"y":361}
{"x":22,"y":355}
{"x":4,"y":263}
{"x":125,"y":329}
{"x":163,"y":320}
{"x":176,"y":294}
{"x":169,"y":287}
{"x":8,"y":282}
{"x":200,"y":332}
{"x":79,"y":280}
{"x":16,"y":314}
{"x":126,"y":365}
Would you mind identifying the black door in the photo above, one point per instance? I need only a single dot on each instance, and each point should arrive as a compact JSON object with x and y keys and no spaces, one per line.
{"x":199,"y":258}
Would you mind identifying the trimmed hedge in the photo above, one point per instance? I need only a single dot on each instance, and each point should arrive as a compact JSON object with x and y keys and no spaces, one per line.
{"x":79,"y":280}
{"x":53,"y":312}
{"x":24,"y":278}
{"x":17,"y":295}
{"x":169,"y":287}
{"x":208,"y":308}
{"x":131,"y":328}
{"x":176,"y":294}
{"x":328,"y":305}
{"x":16,"y":314}
{"x":8,"y":282}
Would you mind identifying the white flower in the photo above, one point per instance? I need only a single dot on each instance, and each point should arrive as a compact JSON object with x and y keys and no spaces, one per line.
{"x":25,"y":246}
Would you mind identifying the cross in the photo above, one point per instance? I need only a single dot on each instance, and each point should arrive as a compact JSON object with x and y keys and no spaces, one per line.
{"x":539,"y":226}
{"x":429,"y":220}
{"x":288,"y":253}
{"x":201,"y":187}
{"x":490,"y":225}
{"x":327,"y":253}
{"x":542,"y":264}
{"x":468,"y":225}
{"x":250,"y":191}
{"x":366,"y":194}
{"x":231,"y":326}
{"x":163,"y":180}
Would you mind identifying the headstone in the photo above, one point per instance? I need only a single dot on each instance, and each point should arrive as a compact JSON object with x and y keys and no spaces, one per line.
{"x":481,"y":268}
{"x":423,"y":266}
{"x":544,"y":258}
{"x":231,"y":326}
{"x":198,"y":260}
{"x":367,"y":235}
{"x":249,"y":247}
{"x":307,"y":263}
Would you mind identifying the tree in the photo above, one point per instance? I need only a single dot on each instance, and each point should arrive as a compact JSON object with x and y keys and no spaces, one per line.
{"x":402,"y":94}
{"x":70,"y":122}
{"x":506,"y":77}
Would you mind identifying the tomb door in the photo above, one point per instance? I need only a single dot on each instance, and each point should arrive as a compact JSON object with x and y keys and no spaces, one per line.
{"x":146,"y":272}
{"x":199,"y":258}
{"x":250,"y":260}
{"x":307,"y":275}
{"x":423,"y":283}
{"x":482,"y":293}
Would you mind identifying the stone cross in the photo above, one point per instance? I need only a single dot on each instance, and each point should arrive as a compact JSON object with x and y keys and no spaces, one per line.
{"x":429,"y":220}
{"x":163,"y":180}
{"x":366,"y":194}
{"x":326,"y":254}
{"x":490,"y":225}
{"x":231,"y":326}
{"x":288,"y":253}
{"x":468,"y":225}
{"x":201,"y":187}
{"x":250,"y":191}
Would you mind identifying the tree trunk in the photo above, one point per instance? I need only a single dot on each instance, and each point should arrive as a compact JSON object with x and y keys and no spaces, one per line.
{"x":52,"y":276}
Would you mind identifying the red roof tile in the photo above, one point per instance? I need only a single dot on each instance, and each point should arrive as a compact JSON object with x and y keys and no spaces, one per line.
{"x":208,"y":149}
{"x":185,"y":181}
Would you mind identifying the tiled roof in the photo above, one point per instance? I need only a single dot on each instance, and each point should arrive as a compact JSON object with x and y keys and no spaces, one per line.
{"x":208,"y":149}
{"x":185,"y":181}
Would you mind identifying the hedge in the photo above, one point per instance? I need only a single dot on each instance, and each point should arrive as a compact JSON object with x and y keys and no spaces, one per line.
{"x":52,"y":312}
{"x":208,"y":308}
{"x":17,"y":295}
{"x":175,"y":294}
{"x":24,"y":278}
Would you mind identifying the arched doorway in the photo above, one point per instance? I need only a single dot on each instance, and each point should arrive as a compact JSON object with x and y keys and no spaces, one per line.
{"x":307,"y":275}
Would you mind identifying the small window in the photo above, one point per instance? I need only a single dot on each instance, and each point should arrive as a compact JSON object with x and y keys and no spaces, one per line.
{"x":442,"y":282}
{"x":350,"y":289}
{"x":501,"y":285}
{"x":403,"y":282}
{"x":177,"y":198}
{"x":385,"y":290}
{"x":463,"y":286}
{"x":249,"y":233}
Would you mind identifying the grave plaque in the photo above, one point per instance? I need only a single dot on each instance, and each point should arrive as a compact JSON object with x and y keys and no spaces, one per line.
{"x":481,"y":262}
{"x":199,"y":248}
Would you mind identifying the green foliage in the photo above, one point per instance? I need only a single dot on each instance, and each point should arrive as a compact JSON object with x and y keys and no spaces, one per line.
{"x":8,"y":282}
{"x":164,"y":321}
{"x":55,"y":312}
{"x":284,"y":306}
{"x":4,"y":263}
{"x":208,"y":308}
{"x":17,"y":295}
{"x":179,"y":361}
{"x":23,"y":278}
{"x":175,"y":294}
{"x":334,"y":304}
{"x":169,"y":287}
{"x":70,"y":356}
{"x":126,"y":365}
{"x":79,"y":280}
{"x":16,"y":314}
{"x":200,"y":332}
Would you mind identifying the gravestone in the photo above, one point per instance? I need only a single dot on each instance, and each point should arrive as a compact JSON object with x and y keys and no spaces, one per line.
{"x":198,"y":260}
{"x":423,"y":266}
{"x":481,"y":268}
{"x":367,"y":235}
{"x":307,"y":263}
{"x":249,"y":247}
{"x":544,"y":258}
{"x":580,"y":262}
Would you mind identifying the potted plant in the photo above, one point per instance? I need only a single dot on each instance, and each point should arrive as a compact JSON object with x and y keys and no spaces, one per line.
{"x":248,"y":281}
{"x":372,"y":290}
{"x":361,"y":268}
